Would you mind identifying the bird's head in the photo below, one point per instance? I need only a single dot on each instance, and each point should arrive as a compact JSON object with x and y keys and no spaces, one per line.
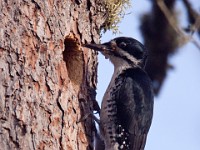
{"x":122,"y":49}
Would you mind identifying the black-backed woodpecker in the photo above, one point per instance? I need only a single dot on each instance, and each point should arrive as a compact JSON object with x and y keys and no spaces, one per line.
{"x":127,"y":106}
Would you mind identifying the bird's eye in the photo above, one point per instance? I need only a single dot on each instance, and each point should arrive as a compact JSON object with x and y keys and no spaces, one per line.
{"x":122,"y":44}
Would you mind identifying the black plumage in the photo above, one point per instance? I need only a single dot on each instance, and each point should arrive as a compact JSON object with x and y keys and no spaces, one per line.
{"x":134,"y":101}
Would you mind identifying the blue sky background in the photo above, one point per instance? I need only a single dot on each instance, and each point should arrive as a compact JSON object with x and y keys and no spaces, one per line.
{"x":176,"y":122}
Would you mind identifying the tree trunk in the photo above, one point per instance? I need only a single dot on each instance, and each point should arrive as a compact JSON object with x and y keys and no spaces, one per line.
{"x":47,"y":80}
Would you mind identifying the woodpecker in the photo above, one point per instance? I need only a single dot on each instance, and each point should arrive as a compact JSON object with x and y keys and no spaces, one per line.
{"x":127,"y":106}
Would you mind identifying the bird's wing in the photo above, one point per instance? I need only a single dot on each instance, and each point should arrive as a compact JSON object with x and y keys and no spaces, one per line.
{"x":135,"y":105}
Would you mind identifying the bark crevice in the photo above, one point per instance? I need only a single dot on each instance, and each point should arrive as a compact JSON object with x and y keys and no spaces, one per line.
{"x":62,"y":119}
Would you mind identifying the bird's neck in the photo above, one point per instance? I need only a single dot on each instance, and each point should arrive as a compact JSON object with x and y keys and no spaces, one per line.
{"x":120,"y":65}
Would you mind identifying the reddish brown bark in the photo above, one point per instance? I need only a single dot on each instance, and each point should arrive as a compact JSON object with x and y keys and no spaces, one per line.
{"x":47,"y":80}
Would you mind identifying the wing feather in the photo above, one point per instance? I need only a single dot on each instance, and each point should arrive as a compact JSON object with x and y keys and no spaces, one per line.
{"x":135,"y":106}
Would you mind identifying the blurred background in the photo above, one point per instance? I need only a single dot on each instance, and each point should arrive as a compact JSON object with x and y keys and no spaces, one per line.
{"x":171,"y":32}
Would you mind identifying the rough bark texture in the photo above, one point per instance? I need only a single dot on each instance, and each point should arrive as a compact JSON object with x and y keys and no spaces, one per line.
{"x":47,"y":80}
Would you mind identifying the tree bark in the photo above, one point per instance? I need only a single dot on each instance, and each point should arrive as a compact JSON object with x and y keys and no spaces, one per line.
{"x":47,"y":80}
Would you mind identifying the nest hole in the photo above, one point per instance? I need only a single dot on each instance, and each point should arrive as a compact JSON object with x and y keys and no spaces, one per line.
{"x":73,"y":57}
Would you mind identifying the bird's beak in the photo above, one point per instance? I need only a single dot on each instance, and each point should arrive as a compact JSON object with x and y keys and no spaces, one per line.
{"x":98,"y":47}
{"x":105,"y":48}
